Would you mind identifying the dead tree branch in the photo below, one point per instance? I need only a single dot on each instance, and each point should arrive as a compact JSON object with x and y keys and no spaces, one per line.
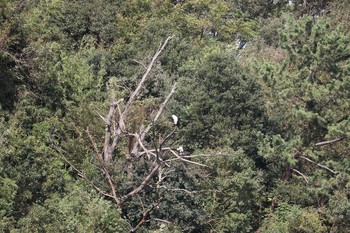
{"x":329,"y":142}
{"x":178,"y":190}
{"x":118,"y":132}
{"x":144,"y":132}
{"x":162,"y":220}
{"x":80,"y":173}
{"x":318,"y":164}
{"x":103,"y":167}
{"x":305,"y":178}
{"x":145,"y":216}
{"x":185,"y":160}
{"x":116,"y":122}
{"x":146,"y":180}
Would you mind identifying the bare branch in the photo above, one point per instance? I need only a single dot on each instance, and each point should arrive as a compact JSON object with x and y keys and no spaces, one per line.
{"x":133,"y":95}
{"x":305,"y":178}
{"x":145,"y":150}
{"x":185,"y":160}
{"x":103,"y":119}
{"x":94,"y":145}
{"x":80,"y":173}
{"x":145,"y":216}
{"x":140,"y":63}
{"x":107,"y":176}
{"x":118,"y":107}
{"x":318,"y":164}
{"x":142,"y":185}
{"x":178,"y":189}
{"x":161,"y":177}
{"x":329,"y":142}
{"x":185,"y":156}
{"x":161,"y":220}
{"x":144,"y":77}
{"x":194,"y":156}
{"x":160,"y":110}
{"x":167,"y":137}
{"x":107,"y":151}
{"x":111,"y":185}
{"x":162,"y":106}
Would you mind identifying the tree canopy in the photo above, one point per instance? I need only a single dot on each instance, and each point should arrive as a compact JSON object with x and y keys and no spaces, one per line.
{"x":260,"y":90}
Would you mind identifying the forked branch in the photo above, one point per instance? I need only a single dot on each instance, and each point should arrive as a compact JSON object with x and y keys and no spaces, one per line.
{"x":137,"y":91}
{"x":144,"y":132}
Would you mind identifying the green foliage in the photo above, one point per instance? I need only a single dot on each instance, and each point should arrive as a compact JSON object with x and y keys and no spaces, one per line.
{"x":218,"y":103}
{"x":61,"y":60}
{"x":309,"y":90}
{"x":70,"y":21}
{"x":11,"y":43}
{"x":7,"y":196}
{"x":28,"y":159}
{"x":231,"y":190}
{"x":308,"y":102}
{"x":78,"y":210}
{"x":291,"y":218}
{"x":338,"y":211}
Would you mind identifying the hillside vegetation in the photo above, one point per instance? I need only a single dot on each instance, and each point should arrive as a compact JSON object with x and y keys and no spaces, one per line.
{"x":175,"y":116}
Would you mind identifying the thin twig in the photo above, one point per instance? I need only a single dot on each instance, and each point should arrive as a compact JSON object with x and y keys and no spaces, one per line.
{"x":145,"y":216}
{"x":161,"y":220}
{"x":167,"y":137}
{"x":145,"y":150}
{"x":305,"y":178}
{"x":178,"y":189}
{"x":140,"y":63}
{"x":81,"y":174}
{"x":185,"y":160}
{"x":94,"y":145}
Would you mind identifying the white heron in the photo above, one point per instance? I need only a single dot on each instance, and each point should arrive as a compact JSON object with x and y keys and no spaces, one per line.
{"x":175,"y":119}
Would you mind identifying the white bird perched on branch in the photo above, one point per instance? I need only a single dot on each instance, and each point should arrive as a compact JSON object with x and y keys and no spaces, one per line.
{"x":180,"y":149}
{"x":175,"y":119}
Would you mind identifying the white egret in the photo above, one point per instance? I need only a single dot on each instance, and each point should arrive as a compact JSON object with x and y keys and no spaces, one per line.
{"x":175,"y":119}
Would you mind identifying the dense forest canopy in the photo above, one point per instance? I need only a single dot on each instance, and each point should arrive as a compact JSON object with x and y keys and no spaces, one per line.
{"x":174,"y":116}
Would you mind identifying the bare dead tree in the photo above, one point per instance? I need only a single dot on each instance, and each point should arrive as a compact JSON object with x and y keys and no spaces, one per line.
{"x":158,"y":153}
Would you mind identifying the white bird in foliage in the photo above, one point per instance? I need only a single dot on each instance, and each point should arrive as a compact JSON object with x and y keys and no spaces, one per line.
{"x":175,"y":119}
{"x":180,"y":149}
